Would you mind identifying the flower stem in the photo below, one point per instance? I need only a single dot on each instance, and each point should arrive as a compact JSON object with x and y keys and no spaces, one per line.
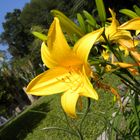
{"x":134,"y":105}
{"x":111,"y":48}
{"x":80,"y":134}
{"x":131,"y":85}
{"x":131,"y":76}
{"x":86,"y":112}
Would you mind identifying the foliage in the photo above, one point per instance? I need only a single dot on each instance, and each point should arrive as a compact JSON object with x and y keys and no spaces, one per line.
{"x":18,"y":24}
{"x":15,"y":35}
{"x":19,"y":127}
{"x":9,"y":92}
{"x":47,"y":109}
{"x":26,"y":62}
{"x":117,"y":46}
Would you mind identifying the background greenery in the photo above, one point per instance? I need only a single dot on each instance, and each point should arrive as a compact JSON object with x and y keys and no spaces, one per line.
{"x":15,"y":73}
{"x":25,"y":48}
{"x":47,"y":112}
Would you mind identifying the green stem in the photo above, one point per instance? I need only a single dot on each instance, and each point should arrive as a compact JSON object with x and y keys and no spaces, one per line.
{"x":133,"y":101}
{"x":74,"y":128}
{"x":111,"y":125}
{"x":135,"y":88}
{"x":131,"y":87}
{"x":67,"y":121}
{"x":95,"y":62}
{"x":131,"y":76}
{"x":80,"y":134}
{"x":36,"y":111}
{"x":111,"y":48}
{"x":58,"y":128}
{"x":86,"y":112}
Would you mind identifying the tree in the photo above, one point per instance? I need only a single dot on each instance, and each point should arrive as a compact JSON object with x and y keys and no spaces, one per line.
{"x":14,"y":34}
{"x":18,"y":24}
{"x":37,"y":12}
{"x":12,"y":81}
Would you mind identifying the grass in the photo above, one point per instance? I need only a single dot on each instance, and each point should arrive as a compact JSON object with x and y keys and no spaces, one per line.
{"x":47,"y":112}
{"x":25,"y":122}
{"x":92,"y":126}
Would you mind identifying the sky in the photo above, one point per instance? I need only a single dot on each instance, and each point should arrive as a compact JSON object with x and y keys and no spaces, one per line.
{"x":9,"y":6}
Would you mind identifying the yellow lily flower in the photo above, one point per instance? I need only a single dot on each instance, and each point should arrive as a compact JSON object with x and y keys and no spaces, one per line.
{"x":113,"y":33}
{"x":125,"y":49}
{"x":129,"y":66}
{"x":68,"y":68}
{"x":105,"y":55}
{"x":116,"y":33}
{"x":134,"y":71}
{"x":136,"y":56}
{"x":129,"y":47}
{"x":124,"y":65}
{"x":133,"y":24}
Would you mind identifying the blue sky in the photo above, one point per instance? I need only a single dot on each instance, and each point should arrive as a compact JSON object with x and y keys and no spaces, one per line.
{"x":8,"y":6}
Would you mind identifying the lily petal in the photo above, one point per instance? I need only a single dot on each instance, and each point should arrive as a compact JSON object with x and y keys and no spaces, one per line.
{"x":46,"y":56}
{"x":110,"y":30}
{"x":134,"y":71}
{"x":123,"y":65}
{"x":83,"y":46}
{"x":49,"y":82}
{"x":57,"y":44}
{"x":127,"y":43}
{"x":136,"y":55}
{"x":68,"y":101}
{"x":133,"y":24}
{"x":125,"y":49}
{"x":120,"y":34}
{"x":88,"y":90}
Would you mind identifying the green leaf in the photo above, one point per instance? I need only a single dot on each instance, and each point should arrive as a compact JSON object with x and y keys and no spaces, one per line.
{"x":137,"y":10}
{"x":68,"y":25}
{"x":40,"y":35}
{"x":81,"y":22}
{"x":90,"y":18}
{"x":59,"y":128}
{"x":129,"y":13}
{"x":89,"y":22}
{"x":101,"y":10}
{"x":89,"y":28}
